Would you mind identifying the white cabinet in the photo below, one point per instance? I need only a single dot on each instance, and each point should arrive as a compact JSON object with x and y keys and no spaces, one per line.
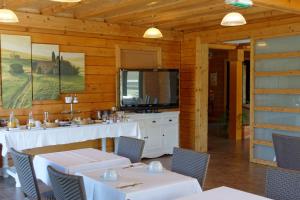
{"x":160,"y":132}
{"x":170,"y":138}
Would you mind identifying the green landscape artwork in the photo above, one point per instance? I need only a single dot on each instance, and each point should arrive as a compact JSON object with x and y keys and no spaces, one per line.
{"x":72,"y":72}
{"x":45,"y":71}
{"x":16,"y":71}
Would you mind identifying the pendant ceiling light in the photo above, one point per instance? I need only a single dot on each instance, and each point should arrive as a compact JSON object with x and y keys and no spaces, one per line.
{"x":153,"y":32}
{"x":7,"y":16}
{"x":233,"y":19}
{"x":67,"y":1}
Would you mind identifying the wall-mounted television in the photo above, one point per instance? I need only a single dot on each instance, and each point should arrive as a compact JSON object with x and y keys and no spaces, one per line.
{"x":149,"y":88}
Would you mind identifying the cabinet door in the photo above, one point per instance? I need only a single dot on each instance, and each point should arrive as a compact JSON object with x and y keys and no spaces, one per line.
{"x":153,"y":142}
{"x":170,"y":137}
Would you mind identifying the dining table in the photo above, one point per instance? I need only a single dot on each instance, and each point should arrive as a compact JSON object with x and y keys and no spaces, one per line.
{"x":136,"y":182}
{"x":75,"y":161}
{"x":223,"y":193}
{"x":23,"y":139}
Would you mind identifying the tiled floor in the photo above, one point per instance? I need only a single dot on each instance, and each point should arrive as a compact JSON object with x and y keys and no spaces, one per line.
{"x":229,"y":166}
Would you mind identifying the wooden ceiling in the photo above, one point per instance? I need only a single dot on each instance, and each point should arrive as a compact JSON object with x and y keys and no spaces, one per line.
{"x":181,"y":15}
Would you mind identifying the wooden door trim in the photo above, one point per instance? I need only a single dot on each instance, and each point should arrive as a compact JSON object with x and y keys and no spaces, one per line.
{"x":201,"y":97}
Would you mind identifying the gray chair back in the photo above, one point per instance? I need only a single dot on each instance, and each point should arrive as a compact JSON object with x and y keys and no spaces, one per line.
{"x":190,"y":163}
{"x":26,"y":174}
{"x":131,"y":148}
{"x":65,"y":186}
{"x":287,"y":151}
{"x":282,"y":184}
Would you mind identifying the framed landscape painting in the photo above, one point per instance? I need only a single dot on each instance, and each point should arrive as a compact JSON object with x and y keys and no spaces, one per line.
{"x":72,"y":72}
{"x":16,"y":71}
{"x":45,"y":71}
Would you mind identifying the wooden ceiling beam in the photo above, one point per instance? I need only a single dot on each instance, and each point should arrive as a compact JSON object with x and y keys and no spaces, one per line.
{"x":37,"y":21}
{"x":290,"y":6}
{"x":61,"y":7}
{"x":110,"y":7}
{"x":15,"y":4}
{"x":166,"y":17}
{"x":163,"y":7}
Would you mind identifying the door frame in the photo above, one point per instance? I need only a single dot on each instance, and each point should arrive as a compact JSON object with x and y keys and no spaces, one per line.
{"x":201,"y":91}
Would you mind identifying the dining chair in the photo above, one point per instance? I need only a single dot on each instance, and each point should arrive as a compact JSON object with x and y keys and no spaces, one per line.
{"x":282,"y":184}
{"x":66,"y":186}
{"x":131,"y":148}
{"x":287,"y":151}
{"x":190,"y":163}
{"x":28,"y":181}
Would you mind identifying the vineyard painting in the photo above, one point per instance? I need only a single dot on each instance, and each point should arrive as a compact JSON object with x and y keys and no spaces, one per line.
{"x":72,"y":72}
{"x":45,"y":71}
{"x":16,"y":71}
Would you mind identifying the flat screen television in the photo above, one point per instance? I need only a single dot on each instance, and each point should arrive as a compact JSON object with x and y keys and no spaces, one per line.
{"x":149,"y":88}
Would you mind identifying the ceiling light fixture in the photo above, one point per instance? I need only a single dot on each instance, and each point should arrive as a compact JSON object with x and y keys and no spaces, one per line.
{"x":261,"y":44}
{"x":233,"y":19}
{"x":67,"y":1}
{"x":7,"y":16}
{"x":240,"y":3}
{"x":153,"y":32}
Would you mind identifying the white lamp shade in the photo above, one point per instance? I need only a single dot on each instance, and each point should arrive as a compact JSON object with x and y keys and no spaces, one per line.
{"x":233,"y":19}
{"x":8,"y":16}
{"x":67,"y":1}
{"x":153,"y":33}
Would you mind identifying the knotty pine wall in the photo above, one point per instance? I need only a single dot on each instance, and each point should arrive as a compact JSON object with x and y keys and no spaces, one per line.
{"x":218,"y":36}
{"x":101,"y":72}
{"x":187,"y":93}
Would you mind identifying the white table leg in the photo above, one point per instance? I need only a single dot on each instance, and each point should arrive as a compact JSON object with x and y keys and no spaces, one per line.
{"x":116,"y":144}
{"x":103,"y":144}
{"x":5,"y":166}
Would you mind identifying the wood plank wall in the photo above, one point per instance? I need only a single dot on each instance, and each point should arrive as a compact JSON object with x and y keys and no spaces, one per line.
{"x":100,"y":92}
{"x":187,"y":93}
{"x":101,"y":73}
{"x":212,"y":37}
{"x":101,"y":61}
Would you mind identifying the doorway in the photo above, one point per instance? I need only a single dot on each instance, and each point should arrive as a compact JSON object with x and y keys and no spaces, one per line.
{"x":218,"y":98}
{"x":225,"y":83}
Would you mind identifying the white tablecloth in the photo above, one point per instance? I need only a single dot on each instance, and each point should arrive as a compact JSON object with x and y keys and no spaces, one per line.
{"x":158,"y":186}
{"x":29,"y":139}
{"x":223,"y":193}
{"x":75,"y":161}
